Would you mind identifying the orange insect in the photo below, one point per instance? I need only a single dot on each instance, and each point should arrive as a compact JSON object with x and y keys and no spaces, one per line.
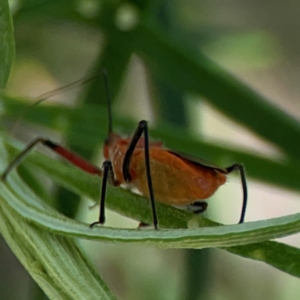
{"x":157,"y":173}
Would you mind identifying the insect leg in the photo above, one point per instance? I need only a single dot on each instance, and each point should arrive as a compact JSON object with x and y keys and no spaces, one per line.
{"x":142,"y":128}
{"x":241,"y":169}
{"x":197,"y":207}
{"x":66,"y":154}
{"x":108,"y":175}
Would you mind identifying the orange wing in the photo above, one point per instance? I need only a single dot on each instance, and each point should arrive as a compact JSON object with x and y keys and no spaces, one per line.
{"x":176,"y":180}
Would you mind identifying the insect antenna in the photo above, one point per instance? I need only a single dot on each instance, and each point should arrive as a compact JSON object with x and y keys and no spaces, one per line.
{"x":108,"y":101}
{"x":63,"y":152}
{"x":108,"y":172}
{"x":51,"y":94}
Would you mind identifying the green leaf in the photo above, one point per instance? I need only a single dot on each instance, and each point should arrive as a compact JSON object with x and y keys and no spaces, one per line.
{"x":280,"y":256}
{"x":188,"y":70}
{"x":7,"y":43}
{"x":20,"y":198}
{"x":279,"y":172}
{"x":56,"y":263}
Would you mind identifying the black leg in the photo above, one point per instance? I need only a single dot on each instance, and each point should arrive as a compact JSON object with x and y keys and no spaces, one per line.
{"x":142,"y":225}
{"x":197,"y":207}
{"x":142,"y":128}
{"x":241,"y":169}
{"x":108,"y":175}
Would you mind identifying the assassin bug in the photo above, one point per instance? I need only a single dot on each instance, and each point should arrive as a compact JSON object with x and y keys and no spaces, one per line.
{"x":160,"y":174}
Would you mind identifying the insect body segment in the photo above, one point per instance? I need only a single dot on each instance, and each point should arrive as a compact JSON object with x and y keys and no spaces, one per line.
{"x":160,"y":174}
{"x":176,"y":179}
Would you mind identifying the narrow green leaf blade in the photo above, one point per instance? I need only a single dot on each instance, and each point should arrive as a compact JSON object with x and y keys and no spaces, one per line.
{"x":136,"y":207}
{"x":55,"y":262}
{"x":284,"y":173}
{"x":281,"y":256}
{"x":7,"y":43}
{"x":19,"y":197}
{"x":188,"y":70}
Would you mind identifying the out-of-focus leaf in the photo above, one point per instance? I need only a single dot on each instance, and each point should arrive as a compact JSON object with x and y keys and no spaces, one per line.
{"x":284,"y":173}
{"x":7,"y":42}
{"x":55,"y":262}
{"x":190,"y":71}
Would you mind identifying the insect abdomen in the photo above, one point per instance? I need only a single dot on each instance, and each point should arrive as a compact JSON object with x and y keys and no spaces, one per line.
{"x":175,"y":181}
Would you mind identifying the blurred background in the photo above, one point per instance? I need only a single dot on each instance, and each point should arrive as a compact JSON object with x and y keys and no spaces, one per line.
{"x":58,"y":42}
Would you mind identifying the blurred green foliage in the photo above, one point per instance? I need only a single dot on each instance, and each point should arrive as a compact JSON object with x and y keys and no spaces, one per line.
{"x":114,"y":33}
